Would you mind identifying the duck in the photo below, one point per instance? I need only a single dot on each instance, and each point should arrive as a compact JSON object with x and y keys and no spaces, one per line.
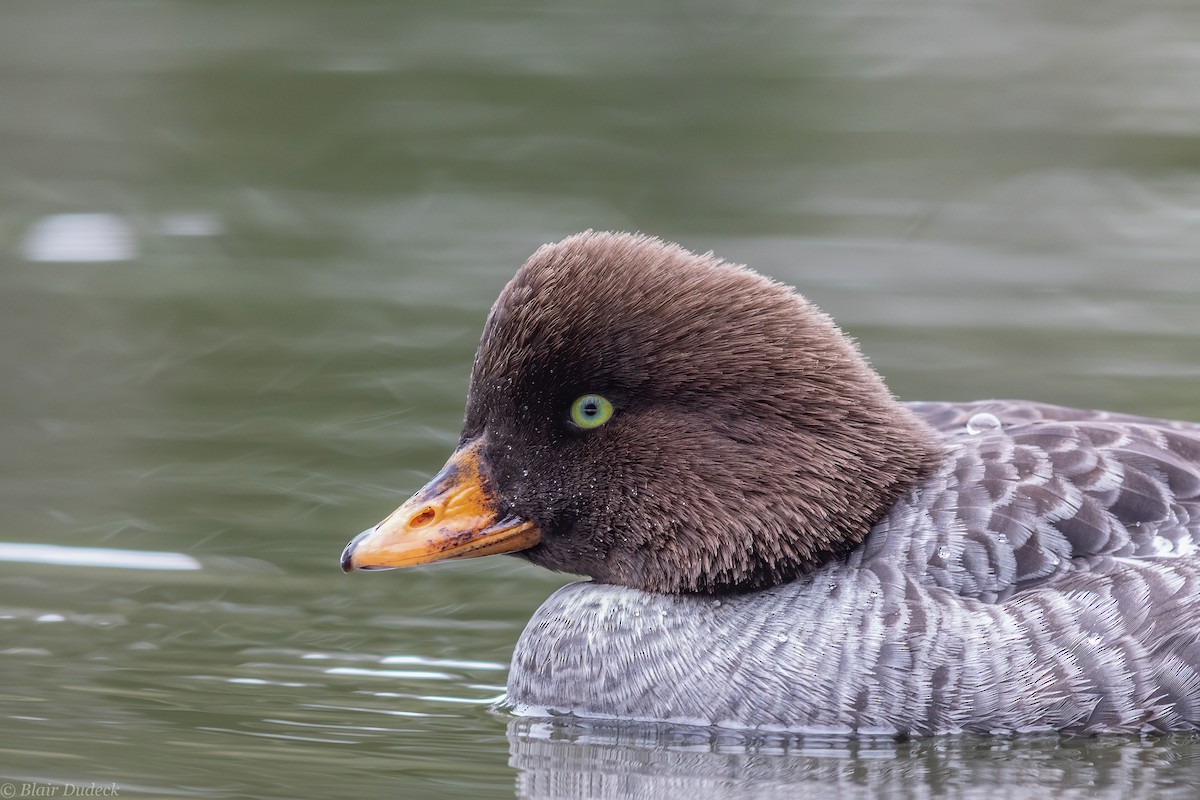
{"x":775,"y":542}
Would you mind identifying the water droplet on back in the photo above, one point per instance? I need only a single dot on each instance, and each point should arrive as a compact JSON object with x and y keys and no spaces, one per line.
{"x":983,"y":422}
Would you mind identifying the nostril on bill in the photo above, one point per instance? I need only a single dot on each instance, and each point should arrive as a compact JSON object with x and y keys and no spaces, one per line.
{"x":422,"y":517}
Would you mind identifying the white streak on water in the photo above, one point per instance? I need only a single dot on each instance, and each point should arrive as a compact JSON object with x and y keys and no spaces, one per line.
{"x":444,"y":662}
{"x":95,"y":557}
{"x":79,"y":238}
{"x":391,"y":673}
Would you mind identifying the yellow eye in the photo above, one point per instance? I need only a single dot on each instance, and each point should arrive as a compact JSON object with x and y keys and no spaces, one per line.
{"x":591,"y":411}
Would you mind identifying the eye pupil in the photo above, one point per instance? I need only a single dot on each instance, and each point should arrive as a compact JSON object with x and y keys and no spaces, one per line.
{"x":591,"y":411}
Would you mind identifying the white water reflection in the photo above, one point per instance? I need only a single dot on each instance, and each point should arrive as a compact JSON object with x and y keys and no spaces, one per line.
{"x":95,"y":557}
{"x":450,"y":663}
{"x":192,"y":223}
{"x":79,"y":238}
{"x":409,"y":674}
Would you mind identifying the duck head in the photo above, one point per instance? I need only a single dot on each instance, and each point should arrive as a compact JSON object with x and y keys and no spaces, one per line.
{"x":661,"y":420}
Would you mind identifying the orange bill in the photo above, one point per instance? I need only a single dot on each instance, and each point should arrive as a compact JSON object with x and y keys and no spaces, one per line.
{"x":453,"y":516}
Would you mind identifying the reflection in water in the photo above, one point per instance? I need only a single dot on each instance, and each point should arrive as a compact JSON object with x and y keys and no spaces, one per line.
{"x":28,"y":553}
{"x":571,"y":758}
{"x":80,"y":237}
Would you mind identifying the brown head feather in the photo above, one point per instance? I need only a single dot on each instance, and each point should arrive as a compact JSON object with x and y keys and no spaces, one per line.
{"x":751,"y":441}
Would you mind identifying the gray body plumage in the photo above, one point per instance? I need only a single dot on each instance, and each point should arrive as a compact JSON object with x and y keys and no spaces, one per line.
{"x":1045,"y":577}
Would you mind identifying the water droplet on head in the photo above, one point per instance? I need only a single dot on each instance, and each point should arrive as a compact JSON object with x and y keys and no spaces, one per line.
{"x":943,"y":553}
{"x":781,"y":638}
{"x":983,"y":422}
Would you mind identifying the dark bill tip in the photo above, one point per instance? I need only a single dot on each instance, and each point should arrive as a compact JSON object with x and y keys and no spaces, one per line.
{"x":348,"y":553}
